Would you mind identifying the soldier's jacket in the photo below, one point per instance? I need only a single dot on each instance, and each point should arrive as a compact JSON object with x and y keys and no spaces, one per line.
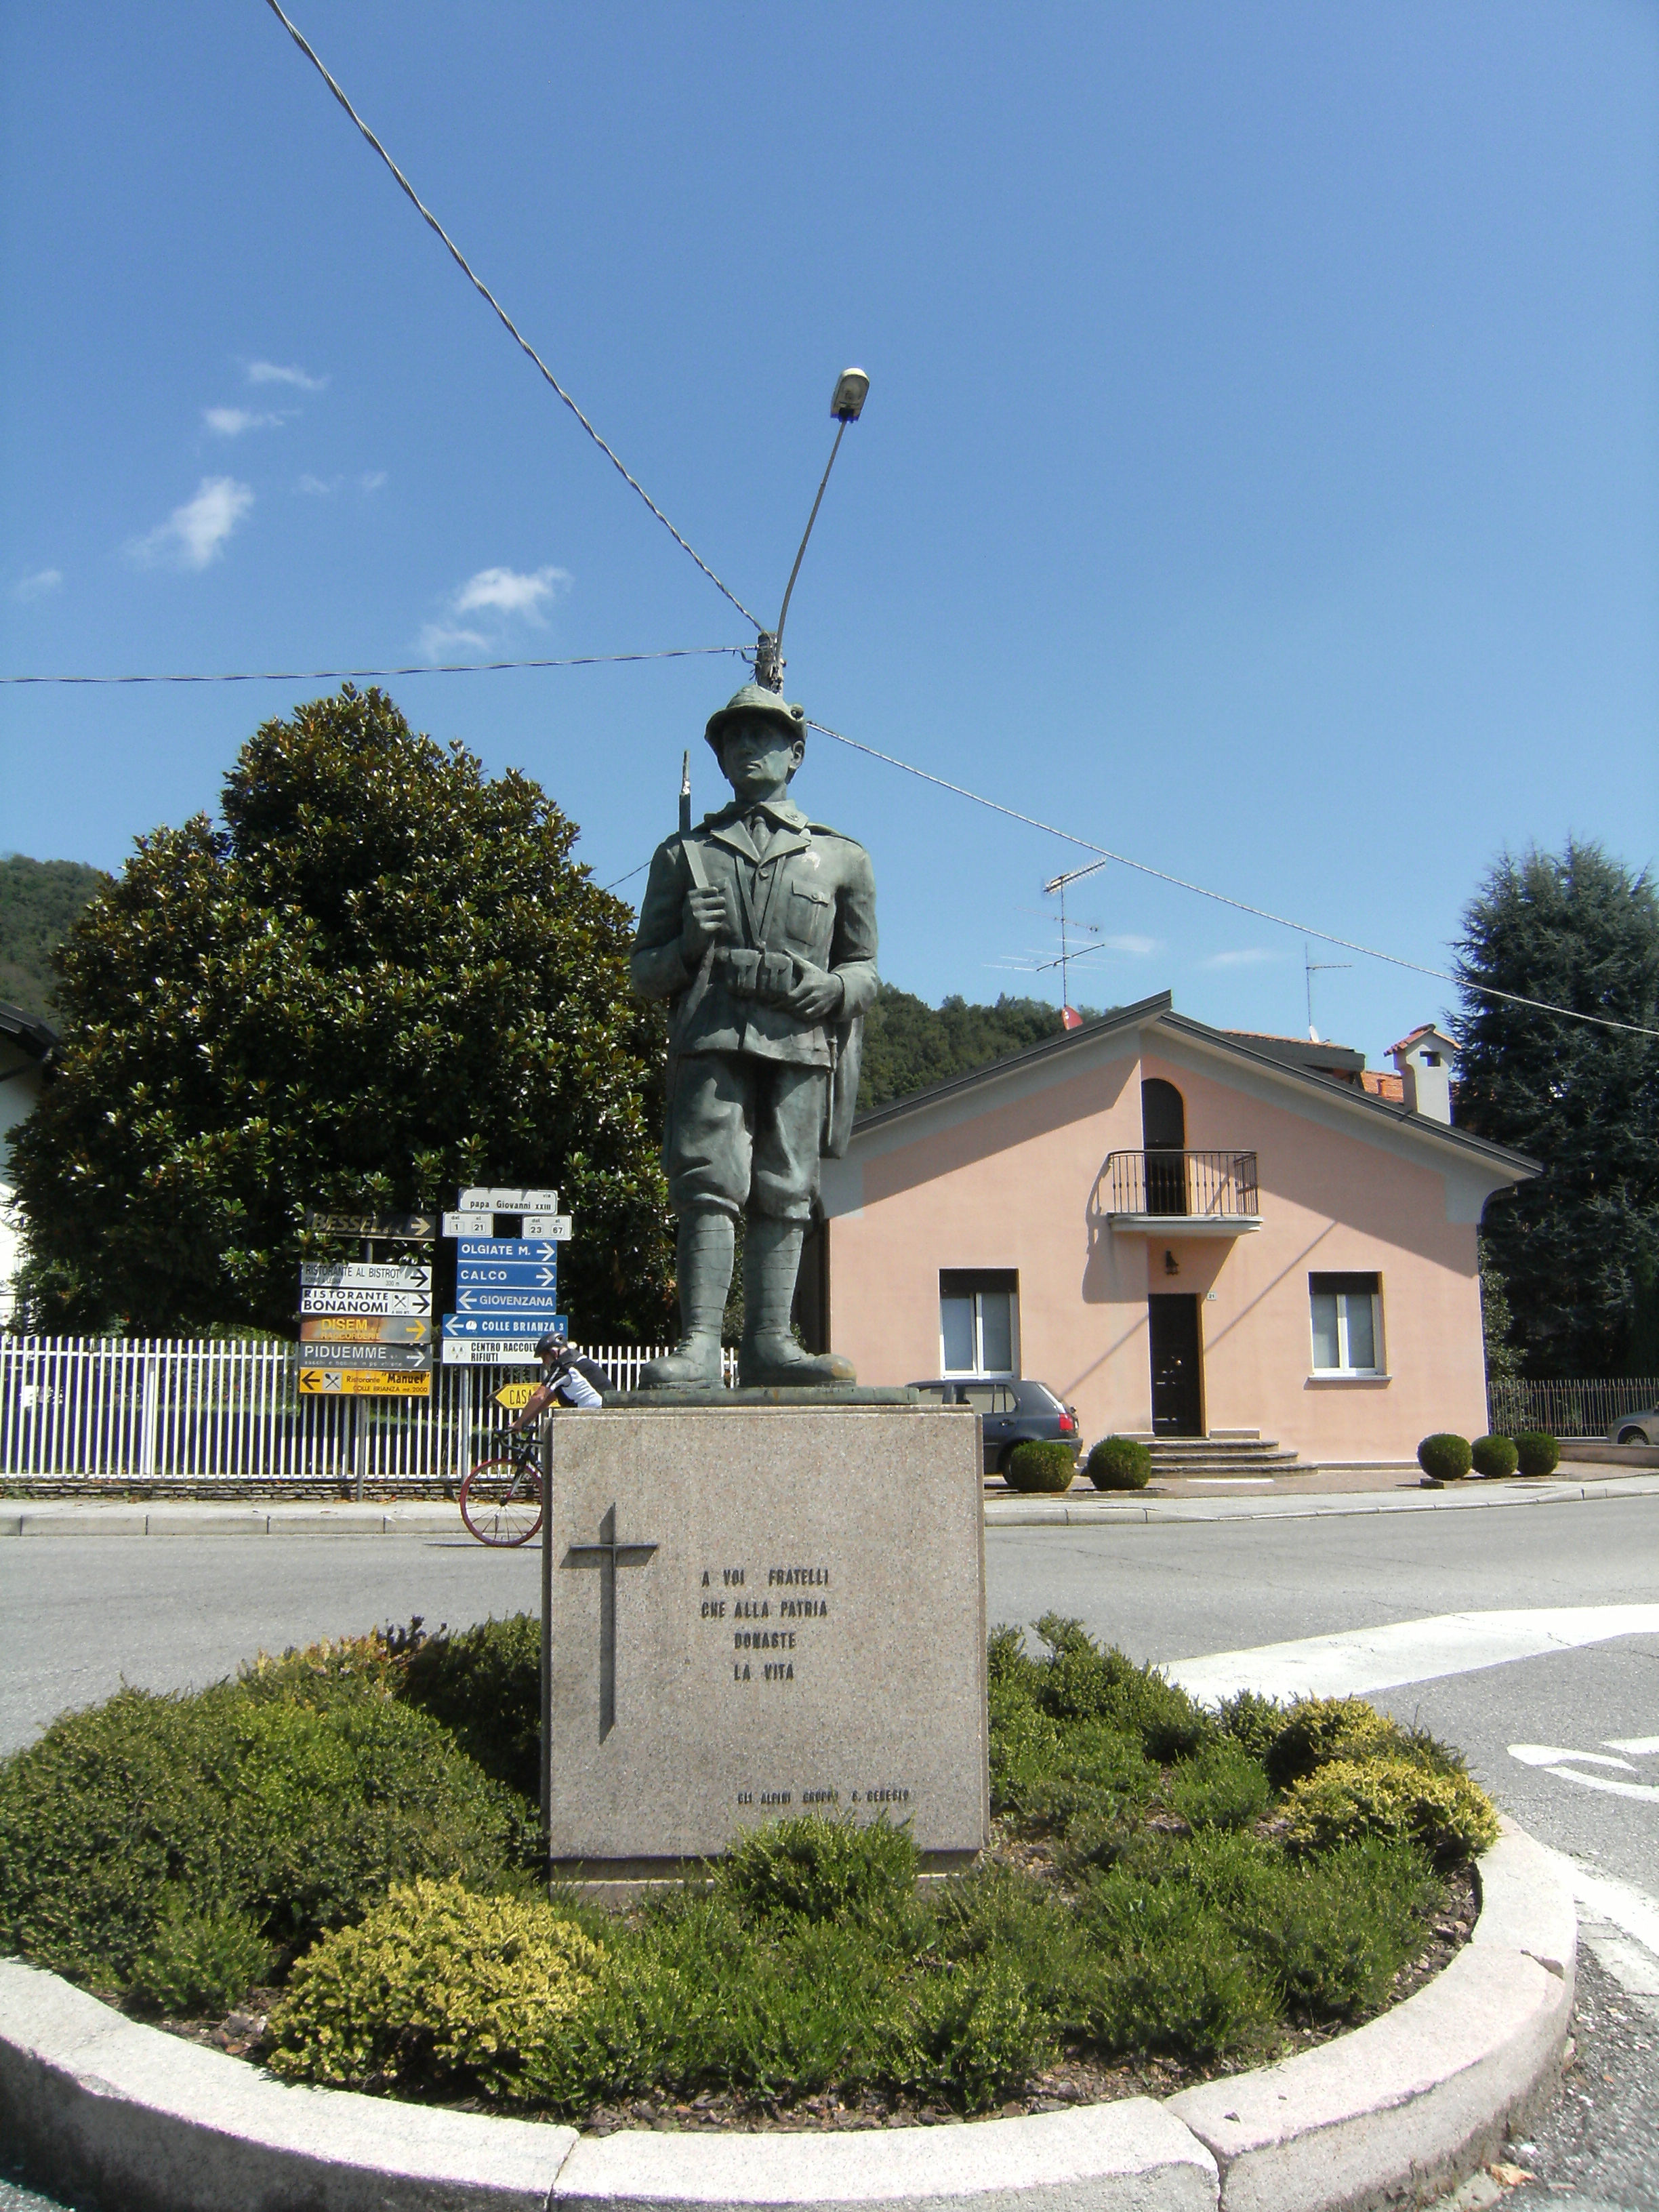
{"x":812,"y":900}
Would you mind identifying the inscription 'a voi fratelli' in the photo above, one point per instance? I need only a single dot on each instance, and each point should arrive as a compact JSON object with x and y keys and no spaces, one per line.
{"x":735,"y":1605}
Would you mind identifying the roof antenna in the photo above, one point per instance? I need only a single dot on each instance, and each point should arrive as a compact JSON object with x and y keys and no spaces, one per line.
{"x":1313,"y":968}
{"x":846,"y":404}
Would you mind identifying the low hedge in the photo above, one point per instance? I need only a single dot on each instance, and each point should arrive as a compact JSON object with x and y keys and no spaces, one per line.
{"x":1039,"y":1465}
{"x":1537,"y":1452}
{"x":1444,"y":1457}
{"x":1164,"y":1879}
{"x":1495,"y":1457}
{"x":1120,"y":1463}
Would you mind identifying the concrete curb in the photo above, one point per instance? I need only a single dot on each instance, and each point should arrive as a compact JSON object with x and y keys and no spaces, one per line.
{"x":1087,"y":1509}
{"x":1387,"y":2116}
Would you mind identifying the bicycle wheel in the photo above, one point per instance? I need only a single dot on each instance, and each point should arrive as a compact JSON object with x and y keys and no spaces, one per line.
{"x":502,"y":1501}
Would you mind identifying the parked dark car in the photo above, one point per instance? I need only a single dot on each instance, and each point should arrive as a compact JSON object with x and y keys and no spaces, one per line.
{"x":1014,"y":1411}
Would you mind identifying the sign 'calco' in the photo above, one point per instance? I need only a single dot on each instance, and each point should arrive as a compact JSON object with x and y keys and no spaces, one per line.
{"x":759,"y":927}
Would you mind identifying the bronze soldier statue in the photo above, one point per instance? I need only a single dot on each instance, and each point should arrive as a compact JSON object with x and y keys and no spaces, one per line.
{"x":759,"y":927}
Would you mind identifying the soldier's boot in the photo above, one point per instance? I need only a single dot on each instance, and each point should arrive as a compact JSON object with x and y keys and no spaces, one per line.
{"x":704,"y":1249}
{"x":771,"y":1355}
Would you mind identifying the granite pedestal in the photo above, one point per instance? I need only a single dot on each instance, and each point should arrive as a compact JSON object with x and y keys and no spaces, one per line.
{"x":759,"y":1610}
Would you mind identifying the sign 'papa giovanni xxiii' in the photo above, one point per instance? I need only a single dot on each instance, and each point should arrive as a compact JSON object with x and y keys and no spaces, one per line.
{"x":759,"y":928}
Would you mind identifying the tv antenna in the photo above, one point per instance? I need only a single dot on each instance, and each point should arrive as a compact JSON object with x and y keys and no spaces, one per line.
{"x":1312,"y":968}
{"x":1066,"y":954}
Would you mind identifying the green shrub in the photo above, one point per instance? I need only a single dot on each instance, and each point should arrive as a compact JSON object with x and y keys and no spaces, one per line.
{"x":1084,"y":1682}
{"x":1120,"y":1463}
{"x":436,"y":1988}
{"x":1220,"y":1787}
{"x":1444,"y":1457}
{"x":1176,"y":1976}
{"x":299,"y":1814}
{"x":813,"y":1869}
{"x":1039,"y":1466}
{"x":967,"y":2033}
{"x":1537,"y":1452}
{"x":199,"y":1962}
{"x":1251,"y":1720}
{"x":484,"y":1684}
{"x":1316,"y":1730}
{"x":1397,"y":1799}
{"x":1495,"y":1457}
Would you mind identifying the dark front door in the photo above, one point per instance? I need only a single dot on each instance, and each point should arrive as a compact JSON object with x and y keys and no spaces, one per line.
{"x":1177,"y":1398}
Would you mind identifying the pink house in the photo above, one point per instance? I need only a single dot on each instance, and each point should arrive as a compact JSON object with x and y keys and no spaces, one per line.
{"x":1183,"y":1231}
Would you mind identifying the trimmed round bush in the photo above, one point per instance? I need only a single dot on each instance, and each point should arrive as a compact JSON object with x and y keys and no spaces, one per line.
{"x":1495,"y":1457}
{"x":436,"y":1988}
{"x":813,"y":1869}
{"x":1395,"y":1799}
{"x":1120,"y":1463}
{"x":1317,"y":1730}
{"x":1039,"y":1466}
{"x":1537,"y":1452}
{"x":1444,"y":1457}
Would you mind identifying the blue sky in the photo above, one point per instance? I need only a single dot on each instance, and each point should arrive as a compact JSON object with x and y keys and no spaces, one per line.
{"x":1258,"y":478}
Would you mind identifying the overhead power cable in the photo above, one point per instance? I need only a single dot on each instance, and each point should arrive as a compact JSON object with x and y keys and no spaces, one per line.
{"x":1221,"y":898}
{"x":415,"y":668}
{"x":508,"y":323}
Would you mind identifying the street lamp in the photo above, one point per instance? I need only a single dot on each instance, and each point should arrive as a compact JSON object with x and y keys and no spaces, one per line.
{"x":846,"y":404}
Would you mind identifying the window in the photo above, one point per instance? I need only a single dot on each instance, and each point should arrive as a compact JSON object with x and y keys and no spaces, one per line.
{"x":1431,"y":1059}
{"x":987,"y":1397}
{"x":1346,"y":1311}
{"x":979,"y":1321}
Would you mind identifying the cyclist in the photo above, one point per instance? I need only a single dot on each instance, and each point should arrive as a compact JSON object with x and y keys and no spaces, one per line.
{"x":571,"y":1380}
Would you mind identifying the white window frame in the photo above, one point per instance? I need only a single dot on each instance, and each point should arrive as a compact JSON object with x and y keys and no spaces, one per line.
{"x":1380,"y":1363}
{"x":979,"y":1372}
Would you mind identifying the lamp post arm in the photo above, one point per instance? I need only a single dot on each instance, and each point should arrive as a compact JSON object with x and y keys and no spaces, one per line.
{"x":840,"y":432}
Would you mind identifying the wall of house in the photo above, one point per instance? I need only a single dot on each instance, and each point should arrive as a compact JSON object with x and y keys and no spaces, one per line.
{"x":1006,"y":1178}
{"x":20,"y":1086}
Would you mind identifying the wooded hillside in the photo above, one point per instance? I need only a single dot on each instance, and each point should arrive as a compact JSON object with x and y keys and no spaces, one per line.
{"x":909,"y":1044}
{"x":38,"y":903}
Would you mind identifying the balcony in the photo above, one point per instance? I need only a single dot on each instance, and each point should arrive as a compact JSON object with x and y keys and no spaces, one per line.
{"x":1179,"y":1193}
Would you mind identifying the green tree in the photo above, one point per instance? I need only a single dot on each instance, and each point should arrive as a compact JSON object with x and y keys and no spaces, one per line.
{"x":38,"y":903}
{"x":909,"y":1044}
{"x":383,"y":978}
{"x":1577,"y":1248}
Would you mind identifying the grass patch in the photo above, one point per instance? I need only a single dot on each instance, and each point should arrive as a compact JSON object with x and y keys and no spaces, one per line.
{"x":1167,"y":1885}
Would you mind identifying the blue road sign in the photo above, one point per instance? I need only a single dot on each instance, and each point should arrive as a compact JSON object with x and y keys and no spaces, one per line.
{"x":532,"y":1275}
{"x":529,"y":1326}
{"x":511,"y":1251}
{"x":506,"y":1301}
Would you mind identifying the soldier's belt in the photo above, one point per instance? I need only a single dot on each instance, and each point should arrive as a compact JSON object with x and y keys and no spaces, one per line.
{"x":751,"y":974}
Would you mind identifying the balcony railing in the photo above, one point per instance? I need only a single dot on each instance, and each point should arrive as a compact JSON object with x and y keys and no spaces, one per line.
{"x":1182,"y":1186}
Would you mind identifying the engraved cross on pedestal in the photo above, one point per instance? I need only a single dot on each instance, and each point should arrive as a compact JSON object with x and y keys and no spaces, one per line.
{"x":607,"y":1555}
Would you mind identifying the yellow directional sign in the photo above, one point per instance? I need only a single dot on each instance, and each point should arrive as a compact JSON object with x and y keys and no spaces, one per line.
{"x":364,"y":1328}
{"x":515,"y":1396}
{"x":359,"y":1383}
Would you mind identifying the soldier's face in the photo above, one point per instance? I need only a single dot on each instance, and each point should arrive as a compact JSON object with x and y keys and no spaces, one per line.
{"x":758,"y":757}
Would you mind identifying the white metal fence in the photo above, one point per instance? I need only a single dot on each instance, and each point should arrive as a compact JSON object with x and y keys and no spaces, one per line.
{"x":1585,"y":1407}
{"x":164,"y":1410}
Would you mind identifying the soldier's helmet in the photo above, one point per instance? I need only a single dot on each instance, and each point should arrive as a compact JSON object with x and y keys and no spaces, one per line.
{"x":754,"y":699}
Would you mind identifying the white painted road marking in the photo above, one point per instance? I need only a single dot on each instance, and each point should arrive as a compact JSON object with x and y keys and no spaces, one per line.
{"x":1599,"y":1782}
{"x":1639,"y":1747}
{"x":1548,"y":1754}
{"x":1401,"y":1651}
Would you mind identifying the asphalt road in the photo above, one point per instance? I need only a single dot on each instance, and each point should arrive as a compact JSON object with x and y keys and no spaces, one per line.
{"x":82,"y":1612}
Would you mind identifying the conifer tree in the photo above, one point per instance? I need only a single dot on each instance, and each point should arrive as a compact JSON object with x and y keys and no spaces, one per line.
{"x":1578,"y":1250}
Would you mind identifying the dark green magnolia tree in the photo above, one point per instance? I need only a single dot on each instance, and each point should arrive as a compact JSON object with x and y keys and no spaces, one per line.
{"x":384,"y":978}
{"x":1578,"y":1249}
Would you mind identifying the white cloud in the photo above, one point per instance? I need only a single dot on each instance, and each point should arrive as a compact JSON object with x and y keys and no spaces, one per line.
{"x":1246,"y":956}
{"x":30,"y":588}
{"x":1139,"y":946}
{"x":195,"y":533}
{"x":439,"y":637}
{"x":510,"y":594}
{"x":270,"y":372}
{"x":318,"y":487}
{"x":371,"y":480}
{"x":231,"y":421}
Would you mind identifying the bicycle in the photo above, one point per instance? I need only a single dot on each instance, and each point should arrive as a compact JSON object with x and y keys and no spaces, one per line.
{"x":502,"y":1496}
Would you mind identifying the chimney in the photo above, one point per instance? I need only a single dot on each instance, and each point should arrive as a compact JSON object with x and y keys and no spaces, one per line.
{"x":1426,"y":1061}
